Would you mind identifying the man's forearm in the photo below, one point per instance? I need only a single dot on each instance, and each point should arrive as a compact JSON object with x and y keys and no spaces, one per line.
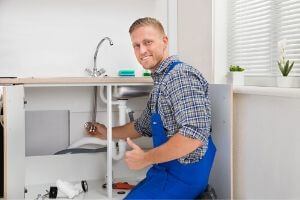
{"x":123,"y":132}
{"x":176,"y":147}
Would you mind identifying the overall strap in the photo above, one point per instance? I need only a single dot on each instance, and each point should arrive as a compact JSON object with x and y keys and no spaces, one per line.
{"x":170,"y":67}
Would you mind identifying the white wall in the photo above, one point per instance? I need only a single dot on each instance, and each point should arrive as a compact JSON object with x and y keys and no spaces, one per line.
{"x":220,"y":21}
{"x":58,"y":38}
{"x":266,"y":147}
{"x":202,"y":36}
{"x":195,"y":34}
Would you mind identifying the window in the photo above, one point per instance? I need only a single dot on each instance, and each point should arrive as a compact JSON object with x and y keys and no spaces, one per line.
{"x":255,"y":27}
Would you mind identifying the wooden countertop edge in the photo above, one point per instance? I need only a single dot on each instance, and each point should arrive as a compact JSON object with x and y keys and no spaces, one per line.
{"x":76,"y":80}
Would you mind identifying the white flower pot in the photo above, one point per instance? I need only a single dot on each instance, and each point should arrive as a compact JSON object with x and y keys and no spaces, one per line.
{"x":235,"y":78}
{"x":288,"y":81}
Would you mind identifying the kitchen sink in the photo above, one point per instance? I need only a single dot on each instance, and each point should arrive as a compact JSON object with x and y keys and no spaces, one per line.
{"x":125,"y":92}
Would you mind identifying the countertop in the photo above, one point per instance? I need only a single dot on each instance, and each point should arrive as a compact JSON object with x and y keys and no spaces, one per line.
{"x":77,"y":80}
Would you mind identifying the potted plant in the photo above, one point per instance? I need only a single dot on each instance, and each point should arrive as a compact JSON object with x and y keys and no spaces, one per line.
{"x":285,"y":67}
{"x":236,"y":75}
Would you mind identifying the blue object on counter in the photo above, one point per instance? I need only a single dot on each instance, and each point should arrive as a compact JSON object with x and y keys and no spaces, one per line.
{"x":126,"y":72}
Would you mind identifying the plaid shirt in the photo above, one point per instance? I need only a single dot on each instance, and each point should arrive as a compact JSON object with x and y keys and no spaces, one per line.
{"x":183,"y":105}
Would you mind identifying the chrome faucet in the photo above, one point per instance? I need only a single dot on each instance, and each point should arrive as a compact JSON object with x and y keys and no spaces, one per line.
{"x":98,"y":72}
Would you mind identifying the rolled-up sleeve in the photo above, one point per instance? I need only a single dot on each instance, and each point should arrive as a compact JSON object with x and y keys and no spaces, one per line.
{"x":188,"y":95}
{"x":142,"y":124}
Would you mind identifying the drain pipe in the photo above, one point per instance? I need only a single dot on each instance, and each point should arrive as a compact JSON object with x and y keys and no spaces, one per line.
{"x":119,"y":148}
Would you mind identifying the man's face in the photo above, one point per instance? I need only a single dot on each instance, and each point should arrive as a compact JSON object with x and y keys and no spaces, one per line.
{"x":150,"y":46}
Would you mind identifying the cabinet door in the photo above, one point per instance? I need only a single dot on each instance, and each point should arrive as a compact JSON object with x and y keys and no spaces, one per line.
{"x":221,"y":176}
{"x":14,"y":142}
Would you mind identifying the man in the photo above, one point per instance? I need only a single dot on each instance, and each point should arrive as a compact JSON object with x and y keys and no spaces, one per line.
{"x":177,"y":117}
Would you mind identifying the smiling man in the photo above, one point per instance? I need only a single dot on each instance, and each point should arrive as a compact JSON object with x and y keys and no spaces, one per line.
{"x":177,"y":117}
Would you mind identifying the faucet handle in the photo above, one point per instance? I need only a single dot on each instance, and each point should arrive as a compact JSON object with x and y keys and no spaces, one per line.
{"x":100,"y":72}
{"x":90,"y":72}
{"x":95,"y":73}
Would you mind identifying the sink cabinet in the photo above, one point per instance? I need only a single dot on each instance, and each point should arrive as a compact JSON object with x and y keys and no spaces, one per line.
{"x":21,"y":170}
{"x":33,"y":172}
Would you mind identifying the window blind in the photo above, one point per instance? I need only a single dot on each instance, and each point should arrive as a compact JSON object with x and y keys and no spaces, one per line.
{"x":288,"y":17}
{"x":255,"y":27}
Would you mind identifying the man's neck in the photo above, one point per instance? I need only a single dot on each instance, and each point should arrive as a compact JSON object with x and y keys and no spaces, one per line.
{"x":162,"y":60}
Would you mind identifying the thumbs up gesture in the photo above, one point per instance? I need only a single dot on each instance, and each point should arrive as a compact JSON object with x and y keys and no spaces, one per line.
{"x":136,"y":158}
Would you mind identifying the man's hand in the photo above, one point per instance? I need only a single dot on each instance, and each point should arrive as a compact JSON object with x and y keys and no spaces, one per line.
{"x":96,"y":129}
{"x":136,"y":158}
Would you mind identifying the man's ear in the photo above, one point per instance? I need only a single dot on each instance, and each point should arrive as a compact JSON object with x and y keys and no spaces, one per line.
{"x":166,"y":41}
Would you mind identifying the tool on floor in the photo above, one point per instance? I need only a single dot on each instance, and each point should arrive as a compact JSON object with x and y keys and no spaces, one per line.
{"x":120,"y":186}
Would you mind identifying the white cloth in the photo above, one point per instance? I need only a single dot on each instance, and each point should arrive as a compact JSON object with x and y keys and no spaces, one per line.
{"x":69,"y":189}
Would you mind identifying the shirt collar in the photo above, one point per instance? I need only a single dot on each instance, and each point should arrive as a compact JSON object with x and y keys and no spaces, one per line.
{"x":164,"y":65}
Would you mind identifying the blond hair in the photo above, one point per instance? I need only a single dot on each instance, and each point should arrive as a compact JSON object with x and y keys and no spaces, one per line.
{"x":147,"y":21}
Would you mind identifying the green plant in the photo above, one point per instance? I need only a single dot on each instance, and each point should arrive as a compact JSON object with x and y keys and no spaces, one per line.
{"x":284,"y":65}
{"x":235,"y":68}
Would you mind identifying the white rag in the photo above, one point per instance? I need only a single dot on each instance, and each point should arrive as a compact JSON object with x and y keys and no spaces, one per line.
{"x":69,"y":189}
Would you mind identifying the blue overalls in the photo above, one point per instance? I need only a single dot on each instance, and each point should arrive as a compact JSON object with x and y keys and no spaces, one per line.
{"x":173,"y":180}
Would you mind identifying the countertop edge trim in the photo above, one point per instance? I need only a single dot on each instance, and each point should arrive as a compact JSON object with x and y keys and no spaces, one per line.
{"x":267,"y":91}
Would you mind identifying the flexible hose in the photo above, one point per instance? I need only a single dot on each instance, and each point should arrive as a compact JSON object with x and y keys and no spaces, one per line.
{"x":116,"y":154}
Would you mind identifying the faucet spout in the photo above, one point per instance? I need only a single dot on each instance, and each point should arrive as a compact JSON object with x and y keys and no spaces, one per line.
{"x":95,"y":72}
{"x":97,"y":49}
